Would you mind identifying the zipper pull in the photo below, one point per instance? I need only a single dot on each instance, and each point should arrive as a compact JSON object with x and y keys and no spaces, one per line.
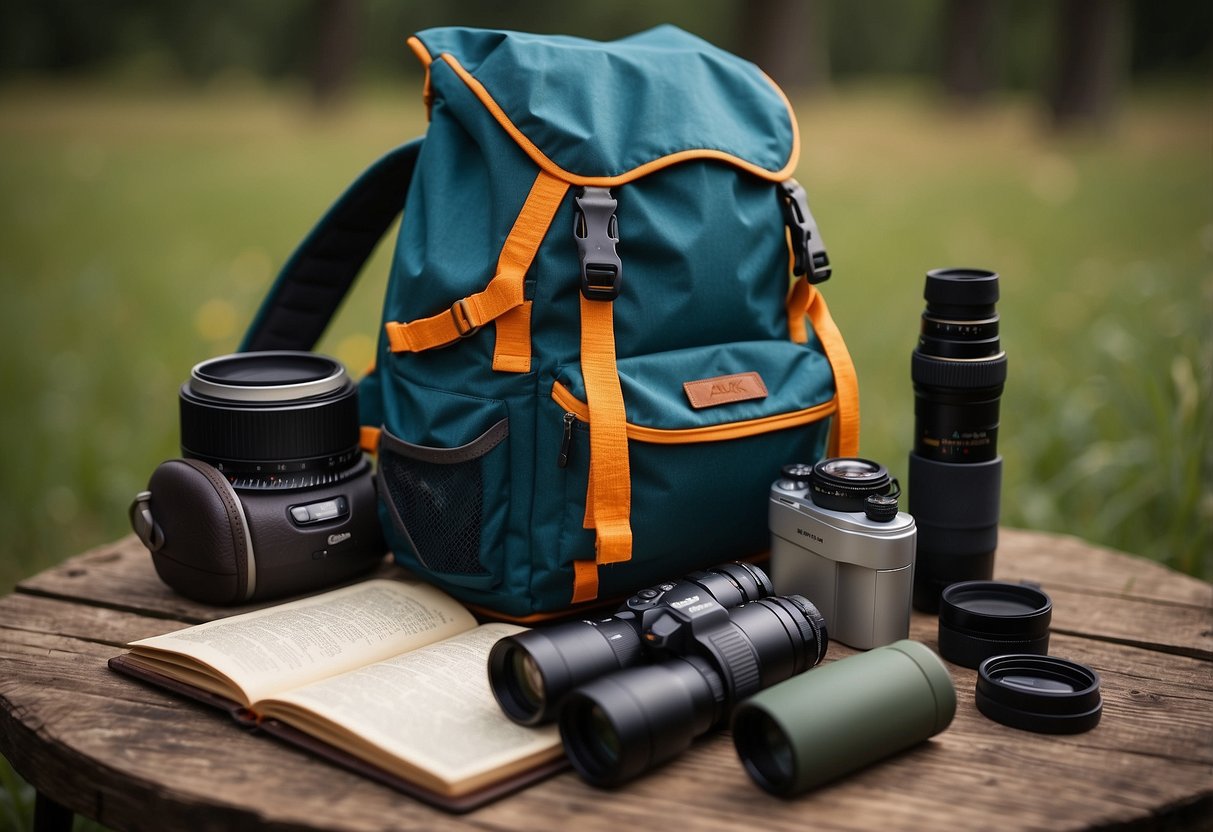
{"x":567,"y":440}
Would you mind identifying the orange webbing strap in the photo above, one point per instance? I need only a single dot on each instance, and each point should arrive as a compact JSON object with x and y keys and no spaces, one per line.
{"x":805,"y":299}
{"x":608,"y":502}
{"x":585,"y":581}
{"x":368,"y":439}
{"x":503,"y":294}
{"x":798,"y":302}
{"x":512,"y":352}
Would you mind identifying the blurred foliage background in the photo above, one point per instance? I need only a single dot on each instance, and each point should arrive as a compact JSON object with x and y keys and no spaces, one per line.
{"x":158,"y":161}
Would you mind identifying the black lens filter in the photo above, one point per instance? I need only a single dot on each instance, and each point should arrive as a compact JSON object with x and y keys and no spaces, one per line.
{"x":1043,"y":694}
{"x":979,"y":619}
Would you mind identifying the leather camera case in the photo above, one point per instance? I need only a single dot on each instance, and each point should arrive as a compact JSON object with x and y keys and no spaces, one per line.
{"x":213,"y":544}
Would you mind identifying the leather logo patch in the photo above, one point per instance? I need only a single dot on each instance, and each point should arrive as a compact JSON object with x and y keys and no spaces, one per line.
{"x":738,"y":387}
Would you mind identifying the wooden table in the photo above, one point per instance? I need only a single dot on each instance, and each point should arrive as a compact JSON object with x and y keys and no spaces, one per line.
{"x":132,"y":757}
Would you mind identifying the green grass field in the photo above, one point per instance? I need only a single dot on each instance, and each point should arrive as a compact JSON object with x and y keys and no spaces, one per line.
{"x":138,"y":233}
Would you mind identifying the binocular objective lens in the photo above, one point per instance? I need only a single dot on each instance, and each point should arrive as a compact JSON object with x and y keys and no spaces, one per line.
{"x":602,"y":737}
{"x":592,"y":740}
{"x":526,"y":682}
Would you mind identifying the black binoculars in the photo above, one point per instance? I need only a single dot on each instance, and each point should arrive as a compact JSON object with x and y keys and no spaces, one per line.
{"x":633,"y":690}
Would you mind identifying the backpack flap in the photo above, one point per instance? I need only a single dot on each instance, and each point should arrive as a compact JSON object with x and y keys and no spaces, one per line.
{"x":606,"y":113}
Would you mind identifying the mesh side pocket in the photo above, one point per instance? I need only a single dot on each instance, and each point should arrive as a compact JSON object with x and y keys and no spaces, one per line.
{"x":437,"y":498}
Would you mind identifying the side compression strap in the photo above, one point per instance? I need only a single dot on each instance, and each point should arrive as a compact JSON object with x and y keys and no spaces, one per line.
{"x":320,"y":272}
{"x":805,"y":299}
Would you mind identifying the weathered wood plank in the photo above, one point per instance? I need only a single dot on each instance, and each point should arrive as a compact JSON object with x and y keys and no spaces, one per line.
{"x":1096,"y":592}
{"x":134,"y":757}
{"x":1072,"y":563}
{"x":120,"y":576}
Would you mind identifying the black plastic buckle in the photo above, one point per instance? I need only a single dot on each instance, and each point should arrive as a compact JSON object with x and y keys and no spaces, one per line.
{"x":808,"y":252}
{"x":597,"y":232}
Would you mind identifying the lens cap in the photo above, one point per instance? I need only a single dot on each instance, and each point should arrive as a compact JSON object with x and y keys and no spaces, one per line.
{"x":979,"y":619}
{"x":1043,"y":694}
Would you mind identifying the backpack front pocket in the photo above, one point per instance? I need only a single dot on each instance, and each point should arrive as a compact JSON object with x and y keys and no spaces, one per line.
{"x":448,"y":505}
{"x":707,"y":429}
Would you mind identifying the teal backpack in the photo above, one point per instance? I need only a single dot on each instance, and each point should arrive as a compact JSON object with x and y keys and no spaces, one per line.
{"x":602,"y":331}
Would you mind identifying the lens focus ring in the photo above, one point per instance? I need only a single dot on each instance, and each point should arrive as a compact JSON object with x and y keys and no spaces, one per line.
{"x":962,"y":375}
{"x":738,"y":660}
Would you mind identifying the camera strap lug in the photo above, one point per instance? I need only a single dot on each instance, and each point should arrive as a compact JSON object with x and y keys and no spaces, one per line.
{"x":143,"y":524}
{"x":809,"y":255}
{"x":597,"y":232}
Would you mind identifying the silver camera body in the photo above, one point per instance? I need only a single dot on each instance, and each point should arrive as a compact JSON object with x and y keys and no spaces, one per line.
{"x":857,"y":571}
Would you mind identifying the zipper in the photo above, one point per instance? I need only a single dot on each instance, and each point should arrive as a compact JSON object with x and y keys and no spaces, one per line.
{"x":577,"y":410}
{"x":567,"y":440}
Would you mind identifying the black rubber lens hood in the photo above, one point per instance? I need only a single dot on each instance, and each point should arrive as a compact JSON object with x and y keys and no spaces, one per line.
{"x":1043,"y":694}
{"x":979,"y":619}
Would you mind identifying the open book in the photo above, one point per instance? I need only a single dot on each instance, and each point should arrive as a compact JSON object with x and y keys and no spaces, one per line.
{"x":386,"y":677}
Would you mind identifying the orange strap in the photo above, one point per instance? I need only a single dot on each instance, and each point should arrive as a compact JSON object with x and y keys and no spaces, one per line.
{"x":512,"y":352}
{"x":503,"y":294}
{"x":798,"y":304}
{"x":804,"y":299}
{"x":368,"y":438}
{"x":608,"y":502}
{"x":585,"y":581}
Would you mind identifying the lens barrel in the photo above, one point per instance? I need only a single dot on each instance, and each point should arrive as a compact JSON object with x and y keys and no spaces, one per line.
{"x":272,"y":420}
{"x":958,"y":370}
{"x":814,"y":728}
{"x":623,"y":724}
{"x":531,"y":672}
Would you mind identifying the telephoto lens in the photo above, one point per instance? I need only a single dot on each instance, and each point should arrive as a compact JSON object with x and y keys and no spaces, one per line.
{"x":623,"y":724}
{"x":958,"y":371}
{"x":814,"y":728}
{"x":530,"y":673}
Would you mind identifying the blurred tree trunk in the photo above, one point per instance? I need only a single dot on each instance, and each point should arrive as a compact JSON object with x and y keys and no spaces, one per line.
{"x":968,"y":65}
{"x":336,"y":51}
{"x":787,"y":38}
{"x":1090,"y":46}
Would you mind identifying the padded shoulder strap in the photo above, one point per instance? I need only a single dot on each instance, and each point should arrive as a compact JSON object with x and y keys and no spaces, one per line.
{"x":317,"y":276}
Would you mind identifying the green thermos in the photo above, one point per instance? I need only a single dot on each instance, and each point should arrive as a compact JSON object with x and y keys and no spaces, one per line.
{"x":842,"y":716}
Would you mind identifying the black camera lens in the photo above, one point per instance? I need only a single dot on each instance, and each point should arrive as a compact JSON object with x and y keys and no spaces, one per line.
{"x":273,"y":420}
{"x":847,"y":483}
{"x":958,"y":370}
{"x":531,"y":672}
{"x":622,"y":724}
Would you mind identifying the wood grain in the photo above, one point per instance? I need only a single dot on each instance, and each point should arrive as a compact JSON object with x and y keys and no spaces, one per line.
{"x":135,"y":758}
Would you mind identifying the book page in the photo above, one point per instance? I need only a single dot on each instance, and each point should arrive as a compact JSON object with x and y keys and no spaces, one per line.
{"x":431,"y":708}
{"x":278,"y":648}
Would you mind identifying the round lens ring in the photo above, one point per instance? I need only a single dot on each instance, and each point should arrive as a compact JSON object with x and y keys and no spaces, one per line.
{"x":765,"y":750}
{"x":843,"y":483}
{"x":1043,"y":694}
{"x":281,"y":376}
{"x":850,"y":468}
